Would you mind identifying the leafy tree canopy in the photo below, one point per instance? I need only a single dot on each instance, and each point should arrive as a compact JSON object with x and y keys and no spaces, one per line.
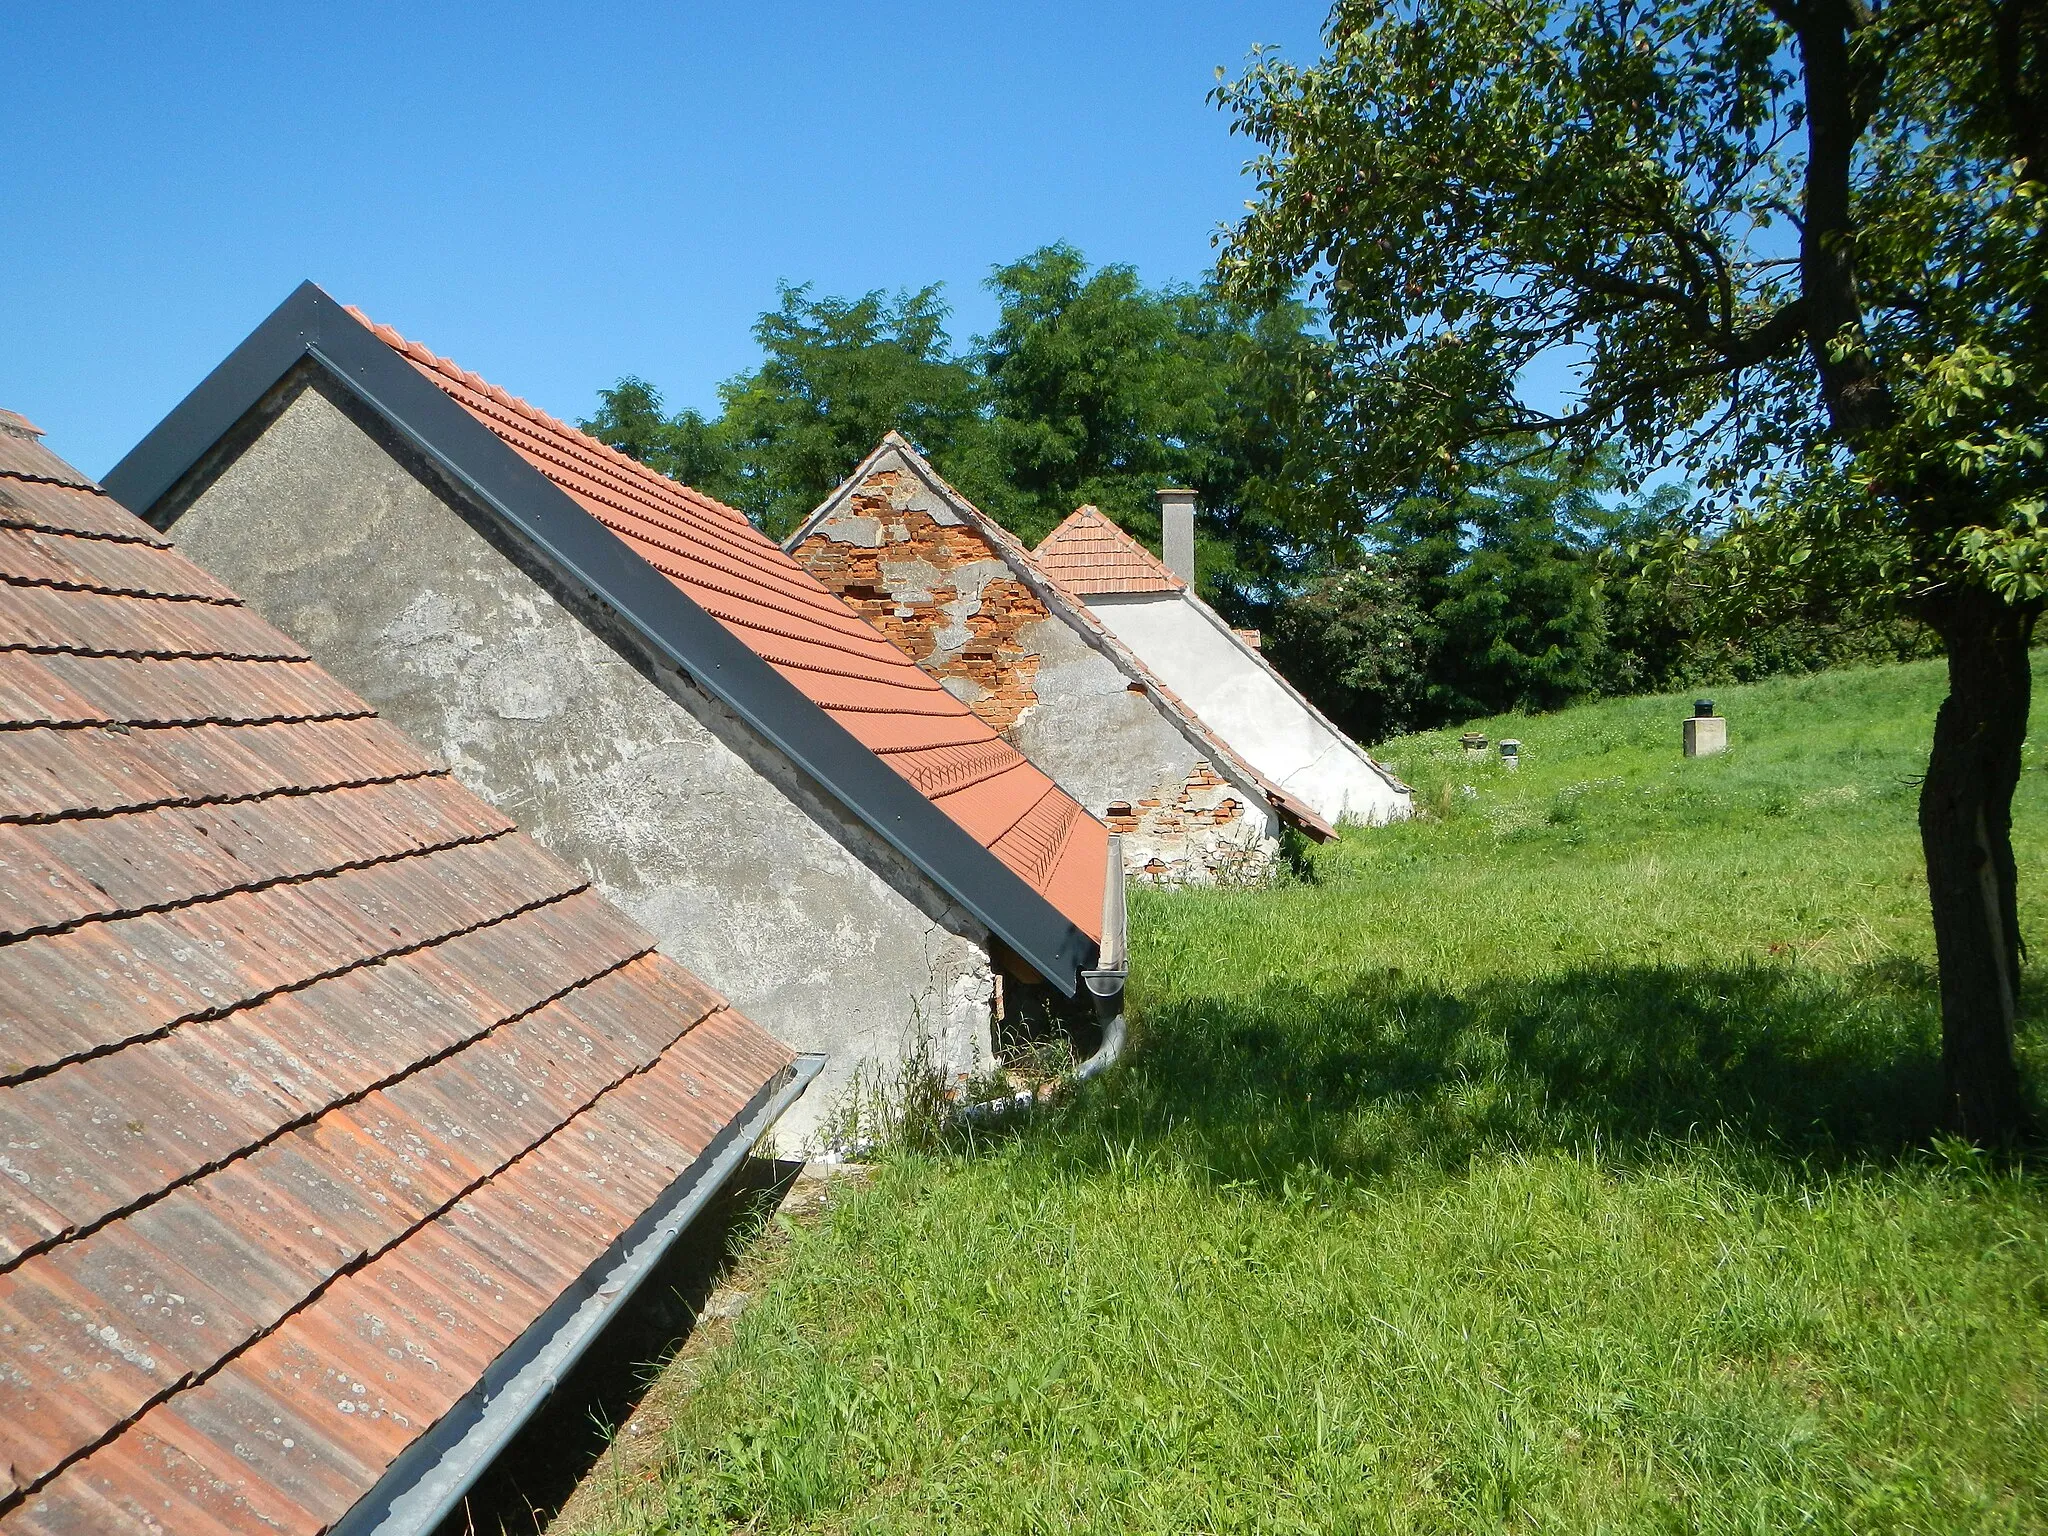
{"x":1798,"y":247}
{"x":684,"y":446}
{"x":835,"y":375}
{"x":1102,"y":390}
{"x":1092,"y":387}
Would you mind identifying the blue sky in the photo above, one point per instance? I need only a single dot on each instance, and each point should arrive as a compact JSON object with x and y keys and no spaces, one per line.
{"x":557,"y":195}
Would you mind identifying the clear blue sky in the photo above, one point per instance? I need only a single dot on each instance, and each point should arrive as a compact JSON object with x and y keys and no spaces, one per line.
{"x":557,"y":195}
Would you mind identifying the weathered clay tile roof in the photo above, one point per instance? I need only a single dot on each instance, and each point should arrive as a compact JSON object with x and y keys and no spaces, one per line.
{"x":781,"y":612}
{"x":1089,"y":554}
{"x":319,"y":1083}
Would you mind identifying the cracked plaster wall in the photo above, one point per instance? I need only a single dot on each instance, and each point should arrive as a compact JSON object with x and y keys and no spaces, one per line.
{"x":909,"y":565}
{"x":1108,"y":746}
{"x":678,"y":812}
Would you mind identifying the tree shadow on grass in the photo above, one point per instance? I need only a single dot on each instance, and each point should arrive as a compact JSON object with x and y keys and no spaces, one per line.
{"x":1384,"y":1076}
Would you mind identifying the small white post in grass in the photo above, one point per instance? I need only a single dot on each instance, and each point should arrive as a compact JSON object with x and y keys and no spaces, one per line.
{"x":1706,"y":732}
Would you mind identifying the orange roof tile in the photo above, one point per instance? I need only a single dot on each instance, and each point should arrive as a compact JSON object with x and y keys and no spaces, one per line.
{"x":319,"y":1083}
{"x":781,"y":612}
{"x":1088,"y":554}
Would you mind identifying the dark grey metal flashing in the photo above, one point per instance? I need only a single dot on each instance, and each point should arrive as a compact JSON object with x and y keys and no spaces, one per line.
{"x":309,"y":324}
{"x":431,"y":1476}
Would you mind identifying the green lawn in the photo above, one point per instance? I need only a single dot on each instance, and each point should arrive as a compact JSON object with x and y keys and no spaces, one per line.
{"x":1562,"y":1162}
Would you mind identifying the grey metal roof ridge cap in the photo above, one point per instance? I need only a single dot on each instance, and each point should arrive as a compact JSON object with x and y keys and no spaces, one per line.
{"x":311,"y":324}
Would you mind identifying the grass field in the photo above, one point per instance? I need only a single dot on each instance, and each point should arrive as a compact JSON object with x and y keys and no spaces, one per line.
{"x":1561,"y":1162}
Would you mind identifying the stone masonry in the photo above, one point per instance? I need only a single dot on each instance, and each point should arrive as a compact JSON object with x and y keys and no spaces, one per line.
{"x":932,"y":573}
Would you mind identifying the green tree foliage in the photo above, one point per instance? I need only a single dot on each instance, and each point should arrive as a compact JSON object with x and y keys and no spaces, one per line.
{"x":1528,"y":585}
{"x":1798,"y":246}
{"x":684,"y":446}
{"x":1092,"y":387}
{"x":1666,"y":631}
{"x":1507,"y":574}
{"x":1348,"y":638}
{"x":835,"y":375}
{"x":1483,"y":593}
{"x":1102,"y":390}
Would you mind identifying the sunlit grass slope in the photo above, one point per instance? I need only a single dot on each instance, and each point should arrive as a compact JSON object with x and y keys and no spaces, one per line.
{"x":1563,"y":1162}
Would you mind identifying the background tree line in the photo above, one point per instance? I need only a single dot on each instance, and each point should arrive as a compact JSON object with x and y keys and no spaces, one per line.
{"x":1500,"y":582}
{"x":1092,"y":387}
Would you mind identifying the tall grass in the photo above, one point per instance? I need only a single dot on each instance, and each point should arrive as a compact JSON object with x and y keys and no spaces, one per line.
{"x":1564,"y":1161}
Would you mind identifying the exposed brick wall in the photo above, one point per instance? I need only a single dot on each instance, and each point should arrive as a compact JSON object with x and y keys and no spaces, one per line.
{"x":1195,"y":834}
{"x":901,"y":556}
{"x":934,"y":588}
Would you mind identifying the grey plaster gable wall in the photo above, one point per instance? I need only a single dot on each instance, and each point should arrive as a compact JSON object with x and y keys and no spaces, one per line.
{"x":1094,"y":736}
{"x":680,"y":814}
{"x":1102,"y":742}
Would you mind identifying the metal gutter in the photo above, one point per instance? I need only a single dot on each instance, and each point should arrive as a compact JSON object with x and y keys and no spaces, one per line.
{"x":1105,"y":986}
{"x":598,"y":564}
{"x":1105,"y":983}
{"x":433,"y":1474}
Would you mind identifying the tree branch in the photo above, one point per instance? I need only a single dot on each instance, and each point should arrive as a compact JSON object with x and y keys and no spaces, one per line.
{"x":1856,"y":397}
{"x":1748,"y":350}
{"x":2026,"y":111}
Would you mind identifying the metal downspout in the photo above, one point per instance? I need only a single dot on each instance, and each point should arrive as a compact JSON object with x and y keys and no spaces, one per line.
{"x":1105,"y":983}
{"x":1105,"y":987}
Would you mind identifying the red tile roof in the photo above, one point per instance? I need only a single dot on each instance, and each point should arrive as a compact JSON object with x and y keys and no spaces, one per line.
{"x":319,"y":1083}
{"x":782,"y":613}
{"x":1088,"y":554}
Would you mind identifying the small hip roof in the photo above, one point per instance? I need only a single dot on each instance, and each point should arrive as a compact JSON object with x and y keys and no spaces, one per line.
{"x":1089,"y":555}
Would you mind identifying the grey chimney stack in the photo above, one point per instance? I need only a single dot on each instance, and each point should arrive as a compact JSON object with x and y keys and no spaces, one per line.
{"x":1177,"y":532}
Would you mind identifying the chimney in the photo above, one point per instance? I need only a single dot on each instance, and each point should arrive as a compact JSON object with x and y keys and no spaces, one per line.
{"x":1177,"y":532}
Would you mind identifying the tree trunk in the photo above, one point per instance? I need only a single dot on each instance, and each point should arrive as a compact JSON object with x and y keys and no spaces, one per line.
{"x":1972,"y":881}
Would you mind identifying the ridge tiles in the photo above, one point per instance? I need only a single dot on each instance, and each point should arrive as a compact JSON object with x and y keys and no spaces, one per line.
{"x":319,"y":1082}
{"x":775,"y":607}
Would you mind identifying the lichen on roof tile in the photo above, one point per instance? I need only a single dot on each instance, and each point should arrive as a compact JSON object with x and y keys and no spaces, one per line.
{"x":279,"y":1001}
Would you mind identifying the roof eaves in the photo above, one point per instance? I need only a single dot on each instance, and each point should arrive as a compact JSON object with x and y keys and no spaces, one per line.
{"x":423,"y":1486}
{"x":309,"y":324}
